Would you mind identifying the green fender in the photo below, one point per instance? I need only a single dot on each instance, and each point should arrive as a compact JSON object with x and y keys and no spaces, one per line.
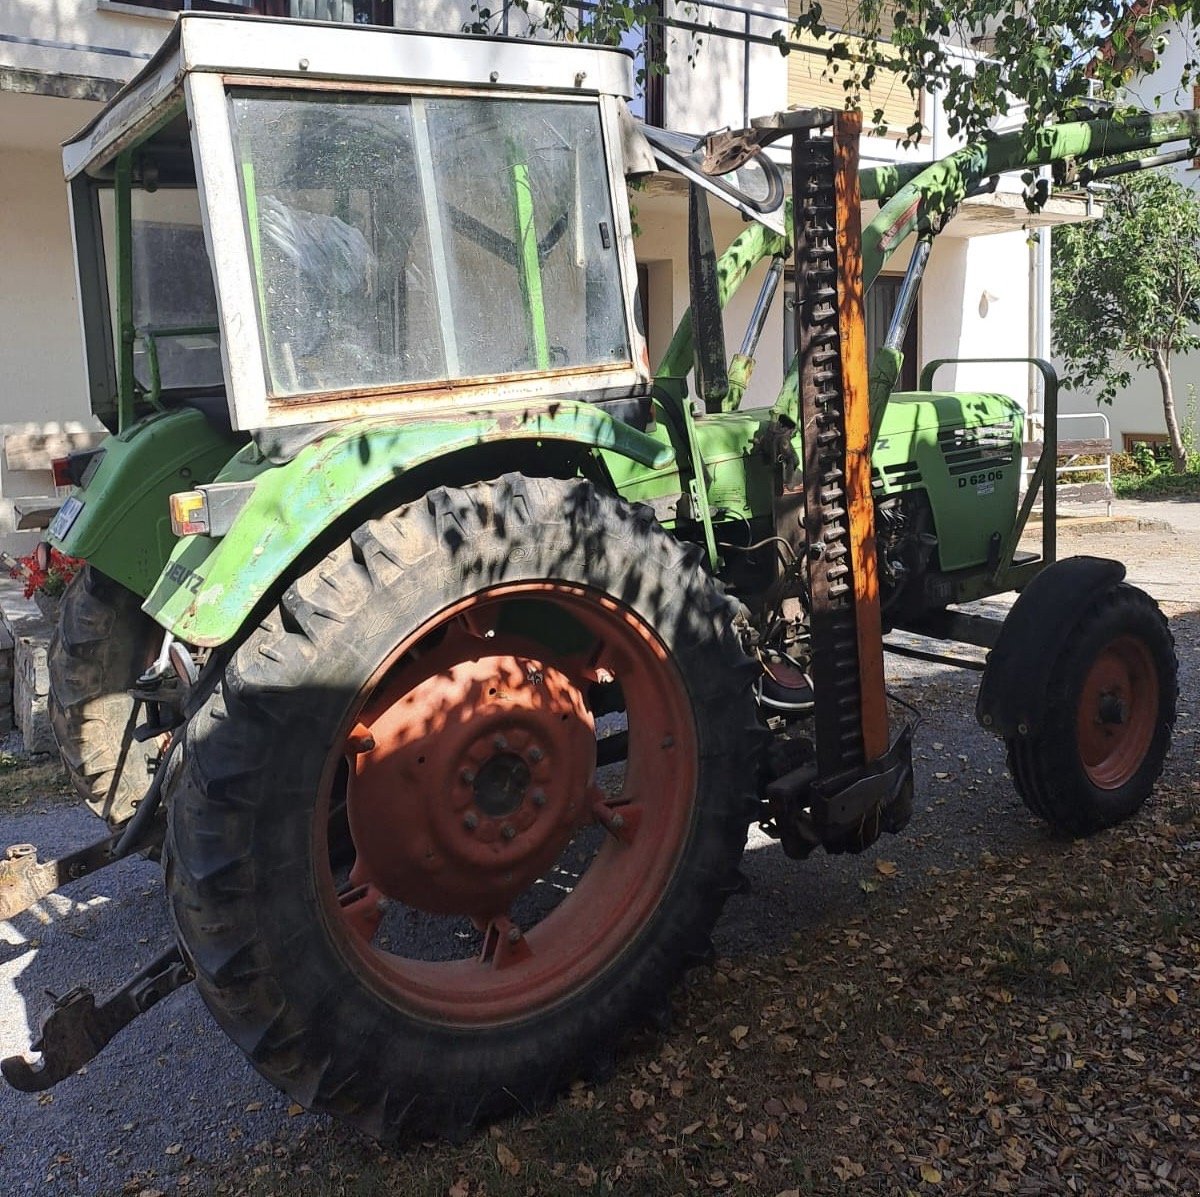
{"x":122,"y":526}
{"x":210,"y":586}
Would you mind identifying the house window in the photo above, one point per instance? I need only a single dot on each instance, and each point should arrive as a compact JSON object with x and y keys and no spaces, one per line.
{"x":1158,"y":442}
{"x":356,"y":12}
{"x":813,"y":83}
{"x":880,"y":304}
{"x":649,"y":104}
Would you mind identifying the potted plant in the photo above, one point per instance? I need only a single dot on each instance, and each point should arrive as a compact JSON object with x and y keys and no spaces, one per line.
{"x":44,"y":581}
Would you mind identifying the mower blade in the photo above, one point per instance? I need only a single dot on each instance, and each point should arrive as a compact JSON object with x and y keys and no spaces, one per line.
{"x":76,"y":1030}
{"x":25,"y":880}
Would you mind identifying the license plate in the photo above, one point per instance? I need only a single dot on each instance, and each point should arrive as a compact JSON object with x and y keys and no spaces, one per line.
{"x":67,"y":514}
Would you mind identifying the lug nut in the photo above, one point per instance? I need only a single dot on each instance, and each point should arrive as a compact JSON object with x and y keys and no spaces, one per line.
{"x":538,"y":797}
{"x":471,"y":821}
{"x":514,"y":934}
{"x":617,"y":822}
{"x":536,"y":754}
{"x":500,"y":744}
{"x":508,"y":831}
{"x":467,"y":776}
{"x":360,"y":739}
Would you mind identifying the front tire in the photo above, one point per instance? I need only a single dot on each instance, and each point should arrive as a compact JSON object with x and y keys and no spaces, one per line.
{"x":1110,"y":708}
{"x":422,"y":698}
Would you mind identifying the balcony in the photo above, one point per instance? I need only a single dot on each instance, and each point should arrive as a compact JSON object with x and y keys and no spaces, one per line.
{"x":84,"y":50}
{"x":356,"y":12}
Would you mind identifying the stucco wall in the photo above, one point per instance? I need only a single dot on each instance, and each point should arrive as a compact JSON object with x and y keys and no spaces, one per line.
{"x":80,"y":38}
{"x":662,"y":246}
{"x":41,"y":363}
{"x":975,"y":303}
{"x":1138,"y":409}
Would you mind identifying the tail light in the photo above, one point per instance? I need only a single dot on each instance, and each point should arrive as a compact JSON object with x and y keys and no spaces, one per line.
{"x":76,"y":469}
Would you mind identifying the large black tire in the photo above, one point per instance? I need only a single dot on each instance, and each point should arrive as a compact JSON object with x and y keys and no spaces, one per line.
{"x":1110,"y":709}
{"x":101,"y":645}
{"x":248,"y":849}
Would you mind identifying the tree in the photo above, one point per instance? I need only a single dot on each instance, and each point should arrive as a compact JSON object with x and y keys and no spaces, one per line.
{"x":1126,"y":291}
{"x":1048,"y":55}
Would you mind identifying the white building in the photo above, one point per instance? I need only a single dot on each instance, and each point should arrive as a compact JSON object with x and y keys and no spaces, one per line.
{"x":1137,"y":412}
{"x":984,"y":294}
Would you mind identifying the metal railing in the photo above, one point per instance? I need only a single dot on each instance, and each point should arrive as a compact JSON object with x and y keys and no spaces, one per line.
{"x":746,"y":35}
{"x":1073,"y":464}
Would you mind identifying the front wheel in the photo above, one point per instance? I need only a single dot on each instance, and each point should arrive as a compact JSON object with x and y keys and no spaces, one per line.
{"x":1110,"y":708}
{"x":408,"y":891}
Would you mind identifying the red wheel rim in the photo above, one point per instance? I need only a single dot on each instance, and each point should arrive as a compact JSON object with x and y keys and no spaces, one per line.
{"x":1118,"y":712}
{"x":472,"y":770}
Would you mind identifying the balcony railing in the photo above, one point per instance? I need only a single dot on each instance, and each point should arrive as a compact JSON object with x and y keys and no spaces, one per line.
{"x":745,"y":25}
{"x":357,"y":12}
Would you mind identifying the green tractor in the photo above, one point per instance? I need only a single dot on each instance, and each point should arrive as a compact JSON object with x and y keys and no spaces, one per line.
{"x":445,"y":650}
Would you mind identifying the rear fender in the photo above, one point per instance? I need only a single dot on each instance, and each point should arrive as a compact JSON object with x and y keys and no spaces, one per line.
{"x":1012,"y":694}
{"x":210,"y":586}
{"x":123,"y":527}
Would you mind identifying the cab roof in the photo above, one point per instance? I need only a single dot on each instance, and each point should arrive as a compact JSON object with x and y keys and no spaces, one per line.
{"x":278,"y":48}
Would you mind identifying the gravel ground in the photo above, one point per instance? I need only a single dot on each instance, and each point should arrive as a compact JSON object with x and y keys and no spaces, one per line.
{"x":171,"y":1095}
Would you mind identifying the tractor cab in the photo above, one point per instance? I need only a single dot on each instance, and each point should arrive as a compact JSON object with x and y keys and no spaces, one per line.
{"x":288,"y":223}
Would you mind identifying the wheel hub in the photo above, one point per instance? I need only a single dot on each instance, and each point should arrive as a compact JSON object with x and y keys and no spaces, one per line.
{"x":1118,"y":712}
{"x":501,"y":785}
{"x":469,"y":775}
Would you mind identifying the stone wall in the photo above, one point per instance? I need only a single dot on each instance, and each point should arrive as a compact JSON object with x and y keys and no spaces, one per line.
{"x":24,"y":679}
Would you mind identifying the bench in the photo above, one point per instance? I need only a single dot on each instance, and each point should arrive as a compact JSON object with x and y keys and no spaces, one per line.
{"x":1073,"y":450}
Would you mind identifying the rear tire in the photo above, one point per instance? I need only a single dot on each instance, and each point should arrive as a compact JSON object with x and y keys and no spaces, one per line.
{"x":1110,"y":708}
{"x":372,"y":640}
{"x":101,"y":645}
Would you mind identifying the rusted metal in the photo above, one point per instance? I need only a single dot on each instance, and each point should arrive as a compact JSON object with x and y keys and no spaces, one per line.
{"x":860,"y":504}
{"x":467,"y":733}
{"x":825,"y":538}
{"x":76,"y":1030}
{"x":25,"y":880}
{"x":728,"y":149}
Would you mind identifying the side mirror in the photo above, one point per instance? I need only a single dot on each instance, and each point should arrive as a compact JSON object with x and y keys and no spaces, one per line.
{"x":708,"y":328}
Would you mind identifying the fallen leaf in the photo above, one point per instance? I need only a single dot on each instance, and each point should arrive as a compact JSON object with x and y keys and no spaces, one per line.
{"x":507,"y":1160}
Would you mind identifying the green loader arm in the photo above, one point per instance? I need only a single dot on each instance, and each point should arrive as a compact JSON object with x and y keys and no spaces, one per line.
{"x":916,"y":197}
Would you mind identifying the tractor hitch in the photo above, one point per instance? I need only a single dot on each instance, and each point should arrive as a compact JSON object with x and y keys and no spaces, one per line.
{"x":76,"y":1030}
{"x":25,"y":880}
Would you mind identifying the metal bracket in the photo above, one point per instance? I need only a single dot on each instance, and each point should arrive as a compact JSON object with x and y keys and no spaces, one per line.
{"x":76,"y":1030}
{"x":25,"y":880}
{"x":845,"y":813}
{"x":728,"y":149}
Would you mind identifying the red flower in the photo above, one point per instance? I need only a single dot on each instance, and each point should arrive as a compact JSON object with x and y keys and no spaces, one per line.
{"x":52,"y":580}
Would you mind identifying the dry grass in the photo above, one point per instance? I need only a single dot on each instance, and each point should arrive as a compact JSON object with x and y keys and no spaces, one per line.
{"x":31,"y":783}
